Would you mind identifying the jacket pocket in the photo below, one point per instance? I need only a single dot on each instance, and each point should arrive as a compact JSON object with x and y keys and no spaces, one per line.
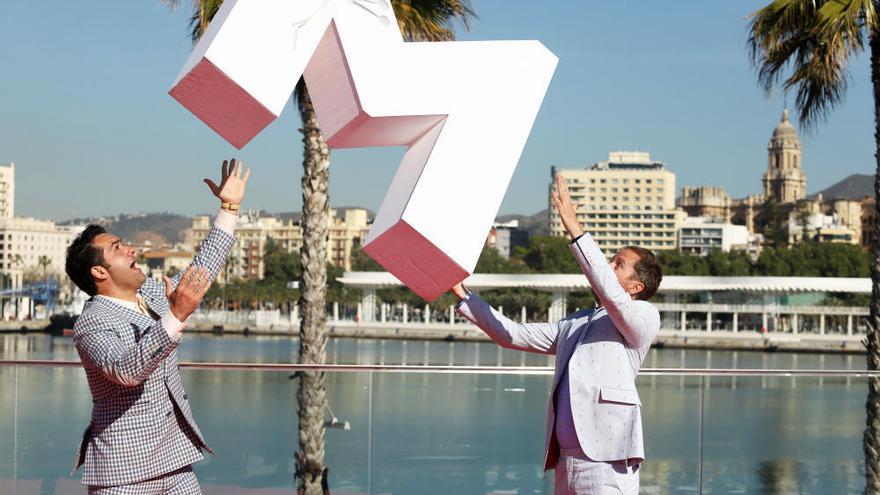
{"x":128,"y":425}
{"x":619,"y":396}
{"x":122,"y":416}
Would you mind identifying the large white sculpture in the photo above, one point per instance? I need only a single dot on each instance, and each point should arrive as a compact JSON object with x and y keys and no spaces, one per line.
{"x":464,"y":109}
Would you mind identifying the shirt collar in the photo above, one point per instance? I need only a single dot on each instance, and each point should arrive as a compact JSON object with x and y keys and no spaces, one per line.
{"x":122,"y":302}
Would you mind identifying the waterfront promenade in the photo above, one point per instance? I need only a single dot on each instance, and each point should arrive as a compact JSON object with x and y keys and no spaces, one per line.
{"x":846,"y":338}
{"x":735,"y":313}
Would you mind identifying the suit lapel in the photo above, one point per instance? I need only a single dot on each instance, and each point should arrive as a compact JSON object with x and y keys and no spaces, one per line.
{"x":571,"y":342}
{"x":580,"y":334}
{"x":154,"y":294}
{"x":139,"y":322}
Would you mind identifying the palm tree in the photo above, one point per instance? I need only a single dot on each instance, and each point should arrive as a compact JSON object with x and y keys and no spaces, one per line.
{"x":231,"y":265}
{"x":810,"y":42}
{"x":17,"y":264}
{"x":419,"y":20}
{"x":44,"y":262}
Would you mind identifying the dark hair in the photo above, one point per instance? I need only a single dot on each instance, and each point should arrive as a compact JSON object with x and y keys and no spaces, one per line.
{"x":82,"y":256}
{"x":647,"y":271}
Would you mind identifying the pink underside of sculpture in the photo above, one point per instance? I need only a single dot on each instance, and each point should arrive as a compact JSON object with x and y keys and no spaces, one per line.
{"x":367,"y":131}
{"x":221,"y":104}
{"x":426,"y":270}
{"x":344,"y":122}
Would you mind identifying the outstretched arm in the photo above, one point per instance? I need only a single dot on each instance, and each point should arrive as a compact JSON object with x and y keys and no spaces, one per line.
{"x":637,"y":321}
{"x":211,"y":254}
{"x":531,"y":337}
{"x":213,"y":251}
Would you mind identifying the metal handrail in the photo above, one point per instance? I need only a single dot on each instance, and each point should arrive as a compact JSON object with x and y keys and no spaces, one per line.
{"x":490,"y":370}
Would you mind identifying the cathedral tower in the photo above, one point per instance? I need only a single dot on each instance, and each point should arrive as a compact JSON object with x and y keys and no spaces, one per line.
{"x":784,"y":179}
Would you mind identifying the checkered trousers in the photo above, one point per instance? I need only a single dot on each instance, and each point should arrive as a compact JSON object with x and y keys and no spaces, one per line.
{"x":180,"y":482}
{"x":142,"y":426}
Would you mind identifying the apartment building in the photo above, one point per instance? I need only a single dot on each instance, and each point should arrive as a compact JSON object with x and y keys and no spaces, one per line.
{"x":253,"y":232}
{"x":7,"y":190}
{"x":627,"y":200}
{"x":34,"y":247}
{"x":699,"y":235}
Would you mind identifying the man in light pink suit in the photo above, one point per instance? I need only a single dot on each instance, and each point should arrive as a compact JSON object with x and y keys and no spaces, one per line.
{"x":594,"y":421}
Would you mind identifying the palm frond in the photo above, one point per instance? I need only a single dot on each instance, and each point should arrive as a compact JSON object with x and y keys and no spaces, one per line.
{"x":804,"y":46}
{"x":171,"y":4}
{"x":849,"y":15}
{"x":779,"y":32}
{"x":203,"y":12}
{"x":418,"y":20}
{"x":432,"y":20}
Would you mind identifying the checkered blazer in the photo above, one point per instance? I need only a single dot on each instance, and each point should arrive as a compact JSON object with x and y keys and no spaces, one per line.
{"x":142,"y":425}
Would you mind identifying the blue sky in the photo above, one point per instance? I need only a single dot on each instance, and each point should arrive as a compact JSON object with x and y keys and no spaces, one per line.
{"x":85,"y":115}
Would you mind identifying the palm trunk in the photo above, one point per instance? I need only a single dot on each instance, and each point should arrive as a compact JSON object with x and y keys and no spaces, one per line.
{"x":312,"y":395}
{"x":872,"y":431}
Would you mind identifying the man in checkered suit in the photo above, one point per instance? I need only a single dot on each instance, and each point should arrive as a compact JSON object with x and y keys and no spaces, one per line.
{"x":142,"y":438}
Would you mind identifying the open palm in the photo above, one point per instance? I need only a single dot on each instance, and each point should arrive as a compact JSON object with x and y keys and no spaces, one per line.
{"x":232,"y":183}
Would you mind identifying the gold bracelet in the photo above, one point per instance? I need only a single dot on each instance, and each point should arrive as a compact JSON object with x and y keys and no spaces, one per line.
{"x":229,"y":206}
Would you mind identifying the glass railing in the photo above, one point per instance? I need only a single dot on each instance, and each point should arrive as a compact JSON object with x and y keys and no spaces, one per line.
{"x":398,"y":429}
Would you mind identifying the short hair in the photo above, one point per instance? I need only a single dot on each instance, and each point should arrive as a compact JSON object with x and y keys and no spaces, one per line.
{"x":647,"y":271}
{"x":82,"y":256}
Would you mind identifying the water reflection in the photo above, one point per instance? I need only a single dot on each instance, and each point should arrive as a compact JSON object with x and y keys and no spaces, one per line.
{"x":440,"y":434}
{"x":209,"y":348}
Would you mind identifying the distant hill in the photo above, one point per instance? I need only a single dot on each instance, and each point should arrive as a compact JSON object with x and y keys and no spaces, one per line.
{"x":536,"y":224}
{"x":158,"y":228}
{"x":296,"y":215}
{"x":167,"y":228}
{"x":856,"y":186}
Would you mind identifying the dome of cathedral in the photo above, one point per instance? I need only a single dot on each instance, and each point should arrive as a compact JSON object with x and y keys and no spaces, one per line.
{"x":785,"y":129}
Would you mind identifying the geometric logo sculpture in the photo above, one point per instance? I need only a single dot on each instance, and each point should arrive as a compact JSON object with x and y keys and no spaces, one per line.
{"x":463,"y":110}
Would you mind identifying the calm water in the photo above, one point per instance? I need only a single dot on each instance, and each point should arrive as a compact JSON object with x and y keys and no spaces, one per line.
{"x":455,"y":433}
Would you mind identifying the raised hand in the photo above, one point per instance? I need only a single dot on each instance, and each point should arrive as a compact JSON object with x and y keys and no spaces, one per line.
{"x":459,"y":291}
{"x":193,"y":286}
{"x":567,"y":210}
{"x":232,"y":183}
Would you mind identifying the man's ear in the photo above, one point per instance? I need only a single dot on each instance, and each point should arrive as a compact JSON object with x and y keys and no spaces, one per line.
{"x":636,"y":287}
{"x":99,"y":273}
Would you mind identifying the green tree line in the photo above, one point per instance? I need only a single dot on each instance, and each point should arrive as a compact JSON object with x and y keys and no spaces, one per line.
{"x":272,"y":292}
{"x":542,"y":254}
{"x":801,"y":260}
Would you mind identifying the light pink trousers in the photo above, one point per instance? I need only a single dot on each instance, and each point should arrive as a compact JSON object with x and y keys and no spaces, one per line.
{"x":576,"y":474}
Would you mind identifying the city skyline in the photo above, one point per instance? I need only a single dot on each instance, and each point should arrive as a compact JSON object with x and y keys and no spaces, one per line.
{"x":87,"y":109}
